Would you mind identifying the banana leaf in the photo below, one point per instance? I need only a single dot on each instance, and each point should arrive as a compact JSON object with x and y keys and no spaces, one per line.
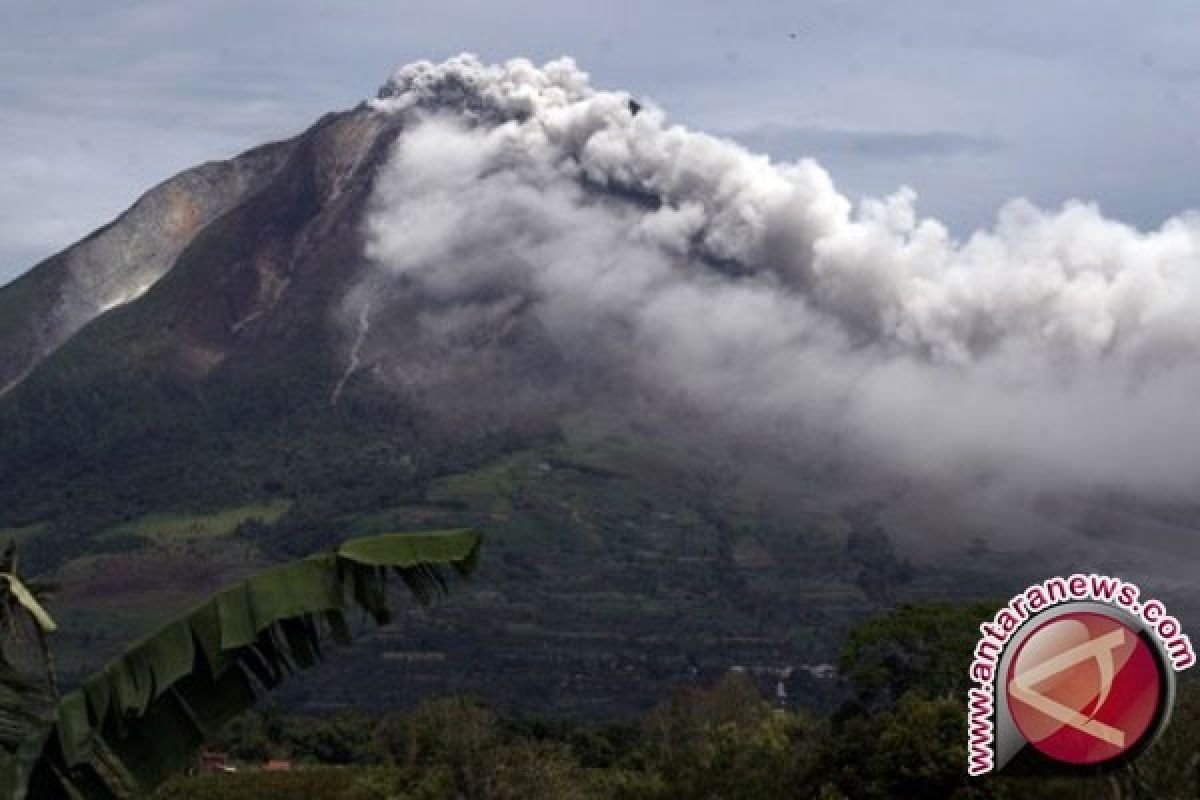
{"x":143,"y":716}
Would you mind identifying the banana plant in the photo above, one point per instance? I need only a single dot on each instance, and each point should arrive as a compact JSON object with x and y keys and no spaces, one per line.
{"x":27,"y":696}
{"x":144,"y":715}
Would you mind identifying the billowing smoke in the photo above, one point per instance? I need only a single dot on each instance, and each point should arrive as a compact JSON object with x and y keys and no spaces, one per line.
{"x":1058,"y":348}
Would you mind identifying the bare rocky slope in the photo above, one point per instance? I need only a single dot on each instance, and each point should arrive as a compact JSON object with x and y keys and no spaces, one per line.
{"x":117,"y":263}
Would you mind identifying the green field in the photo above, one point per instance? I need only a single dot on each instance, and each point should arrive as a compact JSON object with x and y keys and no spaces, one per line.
{"x":173,"y":529}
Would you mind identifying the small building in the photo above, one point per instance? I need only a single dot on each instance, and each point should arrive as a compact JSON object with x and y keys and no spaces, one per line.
{"x":214,"y":761}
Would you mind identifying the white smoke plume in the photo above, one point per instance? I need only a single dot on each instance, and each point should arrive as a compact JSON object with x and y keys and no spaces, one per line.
{"x":1059,"y":348}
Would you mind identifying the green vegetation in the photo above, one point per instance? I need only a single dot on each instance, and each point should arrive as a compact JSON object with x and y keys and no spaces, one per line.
{"x":329,"y":782}
{"x":613,"y":572}
{"x":620,"y":559}
{"x":174,"y":530}
{"x":899,"y":731}
{"x":720,"y":741}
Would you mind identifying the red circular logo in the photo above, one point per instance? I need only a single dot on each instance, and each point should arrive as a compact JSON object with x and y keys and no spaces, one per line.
{"x":1084,"y":688}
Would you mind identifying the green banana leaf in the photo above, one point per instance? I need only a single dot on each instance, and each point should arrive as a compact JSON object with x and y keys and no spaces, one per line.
{"x":142,"y":717}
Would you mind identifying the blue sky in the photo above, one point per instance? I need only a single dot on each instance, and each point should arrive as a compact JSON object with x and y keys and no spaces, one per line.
{"x":970,"y":104}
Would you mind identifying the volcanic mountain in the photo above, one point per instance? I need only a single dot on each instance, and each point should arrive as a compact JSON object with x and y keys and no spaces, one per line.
{"x":681,"y":390}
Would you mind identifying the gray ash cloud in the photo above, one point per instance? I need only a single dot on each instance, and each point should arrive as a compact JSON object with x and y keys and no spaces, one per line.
{"x":1058,"y":348}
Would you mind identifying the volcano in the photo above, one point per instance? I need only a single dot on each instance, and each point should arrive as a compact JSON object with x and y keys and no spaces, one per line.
{"x":654,"y":369}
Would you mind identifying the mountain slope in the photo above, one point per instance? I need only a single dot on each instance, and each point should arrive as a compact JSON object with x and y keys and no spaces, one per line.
{"x":234,"y":382}
{"x":234,"y":351}
{"x":47,"y":305}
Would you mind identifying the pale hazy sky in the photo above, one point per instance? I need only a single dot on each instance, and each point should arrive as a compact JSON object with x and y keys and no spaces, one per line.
{"x":970,"y":104}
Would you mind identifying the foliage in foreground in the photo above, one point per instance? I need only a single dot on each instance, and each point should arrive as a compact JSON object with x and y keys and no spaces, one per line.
{"x":143,"y":716}
{"x":901,"y":735}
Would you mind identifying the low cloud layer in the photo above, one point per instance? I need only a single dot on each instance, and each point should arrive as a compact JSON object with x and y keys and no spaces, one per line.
{"x":803,"y":141}
{"x":1056,"y":350}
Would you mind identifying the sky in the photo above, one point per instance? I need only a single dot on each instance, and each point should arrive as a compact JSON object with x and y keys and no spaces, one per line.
{"x":969,"y":104}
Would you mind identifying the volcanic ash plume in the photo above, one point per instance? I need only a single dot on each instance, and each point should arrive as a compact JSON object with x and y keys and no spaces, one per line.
{"x":1057,"y":349}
